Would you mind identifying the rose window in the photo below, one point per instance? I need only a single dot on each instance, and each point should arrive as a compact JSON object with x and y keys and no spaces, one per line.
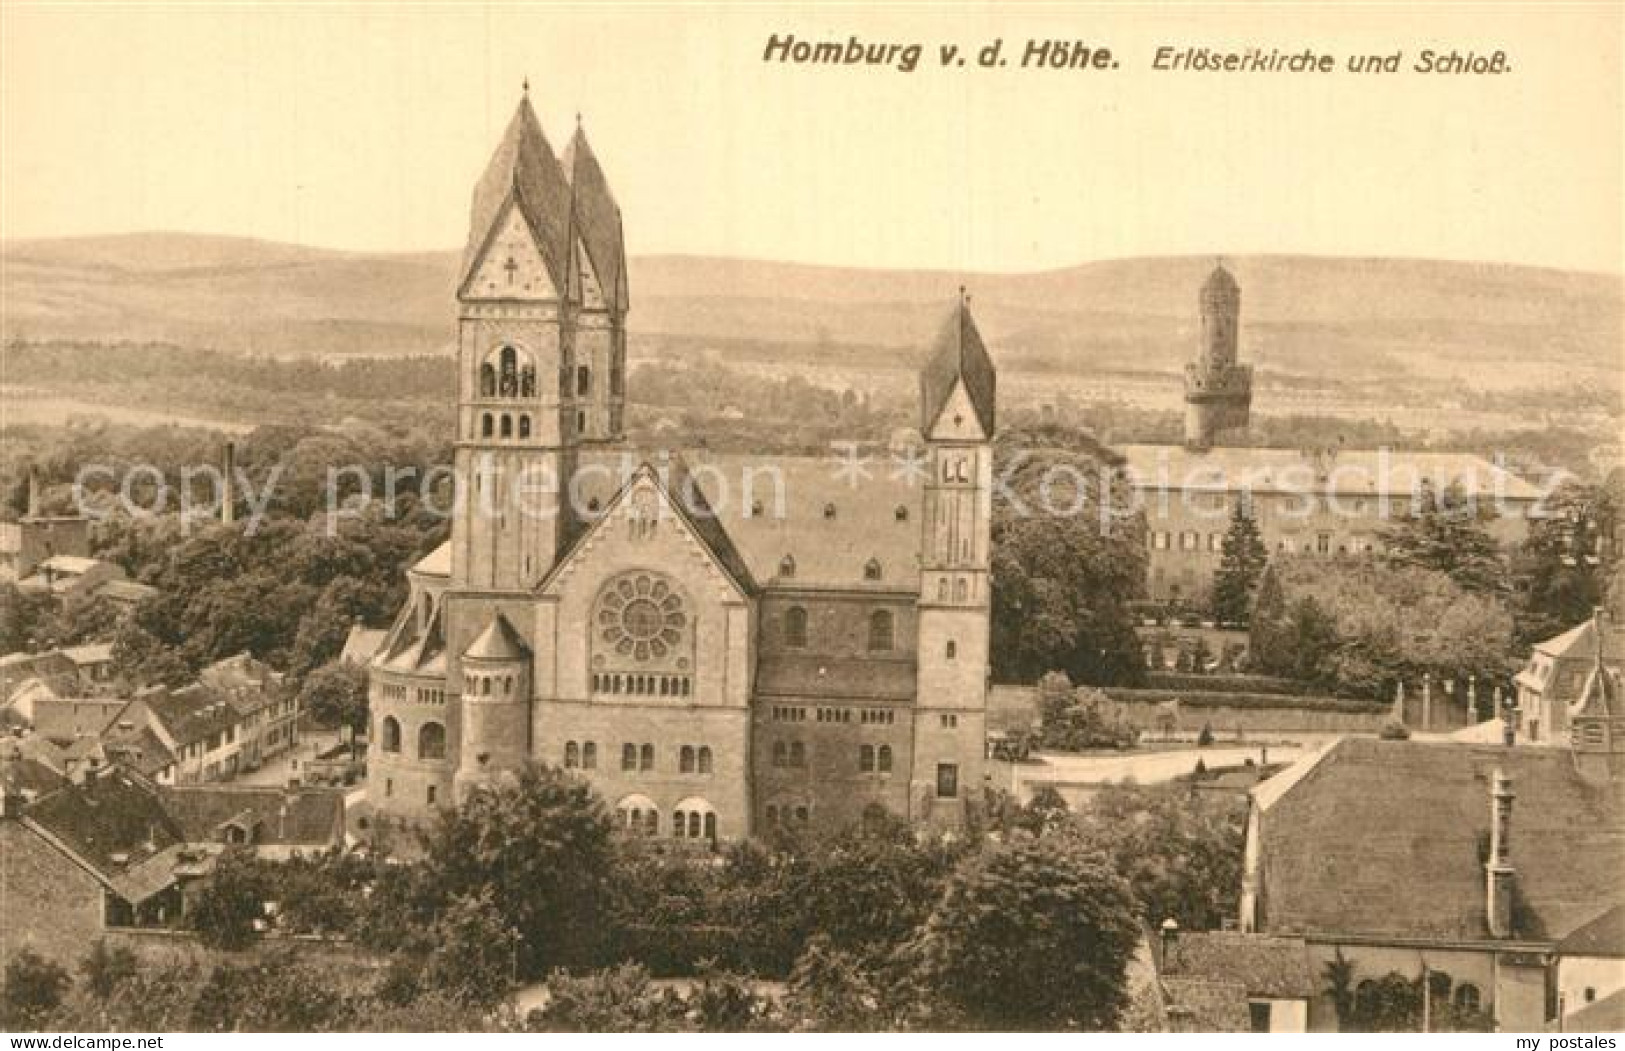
{"x":642,"y":618}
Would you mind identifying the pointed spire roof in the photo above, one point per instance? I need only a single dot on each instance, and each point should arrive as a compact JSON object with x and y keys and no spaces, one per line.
{"x":525,"y":171}
{"x":1220,"y":282}
{"x":958,"y":356}
{"x":498,"y":643}
{"x":597,"y":218}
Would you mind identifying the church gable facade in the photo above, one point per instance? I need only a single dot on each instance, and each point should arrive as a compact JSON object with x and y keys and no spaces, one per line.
{"x":713,"y":666}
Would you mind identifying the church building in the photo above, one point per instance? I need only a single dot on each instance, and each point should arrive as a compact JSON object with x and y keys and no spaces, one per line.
{"x":719,"y":644}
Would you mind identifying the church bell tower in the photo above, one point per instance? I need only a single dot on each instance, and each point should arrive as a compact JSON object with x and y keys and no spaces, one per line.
{"x":957,"y":394}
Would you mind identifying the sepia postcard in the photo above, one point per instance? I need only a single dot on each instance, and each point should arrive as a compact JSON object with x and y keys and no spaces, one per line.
{"x":812,"y":518}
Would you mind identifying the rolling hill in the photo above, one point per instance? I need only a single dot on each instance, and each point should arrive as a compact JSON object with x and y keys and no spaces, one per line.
{"x":1327,"y":320}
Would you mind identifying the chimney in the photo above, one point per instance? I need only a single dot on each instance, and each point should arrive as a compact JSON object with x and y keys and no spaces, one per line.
{"x":228,"y":510}
{"x":1498,"y":871}
{"x":33,"y":491}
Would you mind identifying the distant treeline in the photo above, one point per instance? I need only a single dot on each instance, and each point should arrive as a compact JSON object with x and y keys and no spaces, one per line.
{"x":56,"y":363}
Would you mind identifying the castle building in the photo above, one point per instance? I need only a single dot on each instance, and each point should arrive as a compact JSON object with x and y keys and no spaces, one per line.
{"x":718,"y":644}
{"x":1330,"y":502}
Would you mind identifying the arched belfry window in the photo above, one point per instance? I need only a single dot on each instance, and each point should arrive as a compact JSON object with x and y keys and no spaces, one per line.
{"x":508,"y":379}
{"x":871,"y":569}
{"x":486,"y":426}
{"x":488,"y":380}
{"x":391,"y":734}
{"x":524,"y":425}
{"x":787,"y":566}
{"x":507,"y":426}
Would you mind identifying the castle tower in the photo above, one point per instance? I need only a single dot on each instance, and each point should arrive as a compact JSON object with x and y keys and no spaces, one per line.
{"x":495,"y":706}
{"x":1218,"y":391}
{"x":518,"y":416}
{"x":957,"y":390}
{"x":600,"y":263}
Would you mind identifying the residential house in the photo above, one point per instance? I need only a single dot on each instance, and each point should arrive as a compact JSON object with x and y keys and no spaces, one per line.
{"x":1471,"y":863}
{"x":1231,"y":981}
{"x":1551,"y":683}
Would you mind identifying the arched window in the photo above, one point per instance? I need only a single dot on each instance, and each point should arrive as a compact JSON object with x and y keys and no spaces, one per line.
{"x":646,"y":758}
{"x":485,"y":426}
{"x":679,"y":823}
{"x":524,"y":425}
{"x":629,"y":757}
{"x":866,"y":759}
{"x":795,"y":627}
{"x":880,"y":630}
{"x":711,"y":826}
{"x":787,"y":566}
{"x":705,"y":759}
{"x":488,"y":381}
{"x":651,"y":822}
{"x":1467,"y":997}
{"x":508,"y":381}
{"x":527,"y":381}
{"x":951,"y":650}
{"x":801,"y":815}
{"x":583,"y":380}
{"x":871,"y":569}
{"x":883,"y":759}
{"x":694,"y":818}
{"x":589,"y":756}
{"x":390,"y":733}
{"x":798,"y":754}
{"x":432,"y":741}
{"x":507,"y":426}
{"x":901,"y":514}
{"x":572,"y":755}
{"x":685,"y":759}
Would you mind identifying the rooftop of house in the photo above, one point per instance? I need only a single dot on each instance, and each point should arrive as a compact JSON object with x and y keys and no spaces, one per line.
{"x":1580,"y":643}
{"x":111,"y":822}
{"x":304,"y":817}
{"x":1603,"y":936}
{"x":137,"y":747}
{"x":1266,"y":966}
{"x":1205,"y":1005}
{"x":1373,"y":837}
{"x":192,"y":713}
{"x":1606,"y":1015}
{"x":362,"y":644}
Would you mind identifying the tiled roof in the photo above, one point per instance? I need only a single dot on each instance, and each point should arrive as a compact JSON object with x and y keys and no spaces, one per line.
{"x":524,"y":169}
{"x":855,"y":678}
{"x":1205,"y":1006}
{"x":362,"y":644}
{"x":959,"y":355}
{"x":112,"y":822}
{"x":1604,"y":1016}
{"x":1580,"y":642}
{"x":1389,"y":838}
{"x":138,"y":748}
{"x":25,"y":774}
{"x":192,"y":713}
{"x":1351,"y":472}
{"x":309,"y":817}
{"x":830,"y":524}
{"x":598,"y":219}
{"x":1603,"y":936}
{"x":1265,"y":966}
{"x":69,"y":717}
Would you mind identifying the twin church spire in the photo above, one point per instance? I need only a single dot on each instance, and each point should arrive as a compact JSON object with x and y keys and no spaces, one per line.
{"x":551,"y":212}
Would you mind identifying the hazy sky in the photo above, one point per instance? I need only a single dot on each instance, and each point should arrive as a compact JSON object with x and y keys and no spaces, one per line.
{"x":364,"y":128}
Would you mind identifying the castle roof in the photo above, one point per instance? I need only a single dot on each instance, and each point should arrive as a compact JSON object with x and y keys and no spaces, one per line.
{"x":524,"y":171}
{"x":1388,"y":838}
{"x":499,"y":642}
{"x":1346,"y":472}
{"x":597,"y":220}
{"x":958,"y":356}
